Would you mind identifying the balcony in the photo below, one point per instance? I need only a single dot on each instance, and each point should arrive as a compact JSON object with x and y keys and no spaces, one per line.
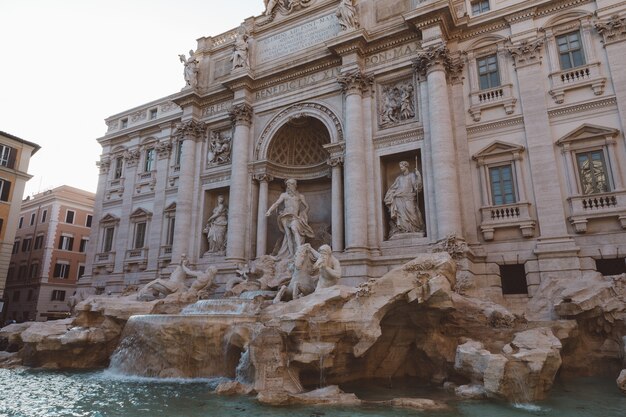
{"x":595,"y":206}
{"x":584,"y":76}
{"x":506,"y":216}
{"x":138,"y":257}
{"x":493,"y":97}
{"x":115,"y":188}
{"x":104,"y":261}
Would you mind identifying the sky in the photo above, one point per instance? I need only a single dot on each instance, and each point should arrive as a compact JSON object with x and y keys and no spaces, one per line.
{"x":66,"y":65}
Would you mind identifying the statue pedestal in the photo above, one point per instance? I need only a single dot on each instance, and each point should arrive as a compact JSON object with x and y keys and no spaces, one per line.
{"x":402,"y":236}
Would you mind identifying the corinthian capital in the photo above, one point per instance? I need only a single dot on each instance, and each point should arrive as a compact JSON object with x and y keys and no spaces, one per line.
{"x":612,"y":30}
{"x":190,"y":129}
{"x":241,"y":114}
{"x":433,"y":57}
{"x":355,"y":81}
{"x":526,"y":52}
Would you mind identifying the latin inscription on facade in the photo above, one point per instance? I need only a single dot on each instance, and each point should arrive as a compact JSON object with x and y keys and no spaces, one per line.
{"x":297,"y":39}
{"x":297,"y":84}
{"x":392,"y":54}
{"x":216,"y":108}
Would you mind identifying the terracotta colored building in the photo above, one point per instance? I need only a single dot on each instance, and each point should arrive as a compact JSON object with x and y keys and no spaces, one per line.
{"x":48,"y":254}
{"x":15,"y":154}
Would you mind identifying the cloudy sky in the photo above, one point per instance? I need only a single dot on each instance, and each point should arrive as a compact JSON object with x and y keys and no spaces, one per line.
{"x":66,"y":65}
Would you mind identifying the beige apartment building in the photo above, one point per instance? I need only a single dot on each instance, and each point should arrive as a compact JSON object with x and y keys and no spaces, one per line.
{"x":15,"y":154}
{"x":507,"y":116}
{"x":49,"y":252}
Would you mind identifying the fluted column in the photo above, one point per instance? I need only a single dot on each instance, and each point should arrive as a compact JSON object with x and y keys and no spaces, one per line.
{"x":337,"y":203}
{"x":261,"y":225}
{"x":189,"y":132}
{"x":355,"y":174}
{"x":241,"y":115}
{"x":435,"y":62}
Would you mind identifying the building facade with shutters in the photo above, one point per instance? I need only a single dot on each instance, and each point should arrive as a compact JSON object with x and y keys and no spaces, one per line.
{"x":15,"y":154}
{"x":49,"y":253}
{"x":513,"y":112}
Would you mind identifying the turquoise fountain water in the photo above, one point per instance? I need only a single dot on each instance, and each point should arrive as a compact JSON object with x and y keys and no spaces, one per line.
{"x":28,"y":393}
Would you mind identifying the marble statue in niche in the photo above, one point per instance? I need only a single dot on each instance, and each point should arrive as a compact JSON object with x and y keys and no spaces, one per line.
{"x":216,"y":227}
{"x":240,"y":56}
{"x":401,"y":200}
{"x":292,"y":220}
{"x":397,"y":103}
{"x":219,"y":148}
{"x":347,"y":15}
{"x":191,"y":69}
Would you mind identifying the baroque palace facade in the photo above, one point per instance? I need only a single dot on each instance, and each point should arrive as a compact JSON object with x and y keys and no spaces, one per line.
{"x":511,"y":112}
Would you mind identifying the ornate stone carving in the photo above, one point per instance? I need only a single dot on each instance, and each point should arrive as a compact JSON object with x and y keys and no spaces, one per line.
{"x":456,"y":247}
{"x":190,"y":71}
{"x":396,"y":103}
{"x":335,"y":160}
{"x":285,"y":6}
{"x":219,"y":148}
{"x":401,"y":200}
{"x":293,"y":220}
{"x":138,"y":115}
{"x":355,"y":81}
{"x":347,"y":15}
{"x":240,"y":58}
{"x":526,"y":52}
{"x":241,"y":114}
{"x":131,"y":157}
{"x":163,"y":149}
{"x":190,"y":129}
{"x":104,"y":164}
{"x":612,"y":30}
{"x":432,"y":57}
{"x":216,"y":227}
{"x":263,"y":177}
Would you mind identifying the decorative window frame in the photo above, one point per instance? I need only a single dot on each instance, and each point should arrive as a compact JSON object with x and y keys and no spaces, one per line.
{"x":138,"y":256}
{"x":500,"y":96}
{"x":584,"y":207}
{"x":589,"y":75}
{"x":106,"y":260}
{"x":517,"y":214}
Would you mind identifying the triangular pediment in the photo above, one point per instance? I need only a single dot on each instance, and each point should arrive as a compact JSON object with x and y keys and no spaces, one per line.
{"x":140,"y":212}
{"x":109,"y":218}
{"x":170,"y":208}
{"x":587,"y":131}
{"x":498,"y":148}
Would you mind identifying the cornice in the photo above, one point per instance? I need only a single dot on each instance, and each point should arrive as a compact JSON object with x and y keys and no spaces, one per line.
{"x":582,"y":107}
{"x":498,"y":124}
{"x":413,"y":135}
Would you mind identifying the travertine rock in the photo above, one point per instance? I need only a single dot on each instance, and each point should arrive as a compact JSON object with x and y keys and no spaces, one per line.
{"x":330,"y":395}
{"x":233,"y":388}
{"x":621,"y":381}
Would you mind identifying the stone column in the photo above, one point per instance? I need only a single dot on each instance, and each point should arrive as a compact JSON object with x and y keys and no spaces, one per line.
{"x":434,"y":62}
{"x":188,"y":132}
{"x":241,"y":115}
{"x":261,"y":225}
{"x":337,"y":203}
{"x":353,"y":83}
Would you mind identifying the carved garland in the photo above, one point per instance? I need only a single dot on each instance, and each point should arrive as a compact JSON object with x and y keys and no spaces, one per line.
{"x":297,"y":110}
{"x":189,"y":129}
{"x":613,"y":29}
{"x":526,"y":52}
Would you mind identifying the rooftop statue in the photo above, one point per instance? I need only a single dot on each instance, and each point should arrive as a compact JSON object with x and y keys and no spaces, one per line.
{"x":240,"y":56}
{"x":191,"y":69}
{"x":401,"y":200}
{"x":347,"y":15}
{"x":269,"y":6}
{"x":293,"y":219}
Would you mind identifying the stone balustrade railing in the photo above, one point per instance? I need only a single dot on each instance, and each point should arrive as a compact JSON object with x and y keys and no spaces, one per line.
{"x":507,"y":215}
{"x":593,"y":206}
{"x":589,"y":75}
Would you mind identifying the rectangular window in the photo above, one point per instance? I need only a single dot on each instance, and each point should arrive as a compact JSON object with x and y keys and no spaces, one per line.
{"x":513,"y":279}
{"x":119,"y":164}
{"x":502,"y":187}
{"x":608,"y":267}
{"x":5,"y":190}
{"x":123,"y":123}
{"x":34,"y":270}
{"x":89,"y":220}
{"x":83,"y":245}
{"x":29,"y":297}
{"x":149,"y":163}
{"x":81,"y":271}
{"x":44,"y":215}
{"x":10,"y":273}
{"x":488,"y":73}
{"x":16,"y":296}
{"x":66,"y":243}
{"x":21,"y":272}
{"x":20,"y":223}
{"x":570,"y":50}
{"x":479,"y":6}
{"x":69,"y":217}
{"x":39,"y":242}
{"x":179,"y":152}
{"x":16,"y":247}
{"x":58,"y":295}
{"x":61,"y":271}
{"x":1,"y":224}
{"x":26,"y":244}
{"x":153,"y":114}
{"x":32,"y":219}
{"x":140,"y":235}
{"x":7,"y":156}
{"x":171,"y":224}
{"x":107,"y":243}
{"x":592,"y":172}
